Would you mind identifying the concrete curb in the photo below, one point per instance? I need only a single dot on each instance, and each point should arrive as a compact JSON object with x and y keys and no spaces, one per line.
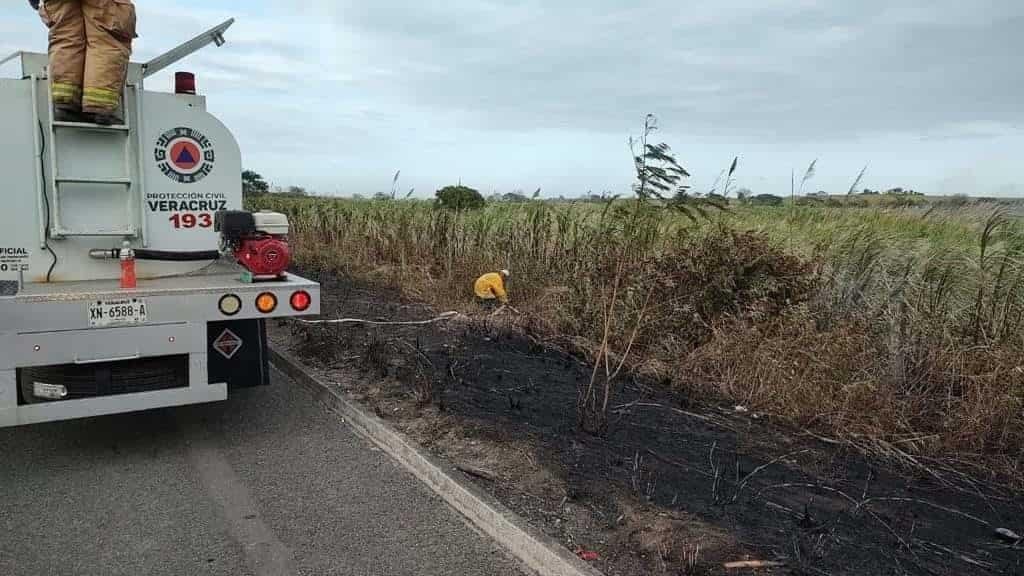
{"x":537,"y":551}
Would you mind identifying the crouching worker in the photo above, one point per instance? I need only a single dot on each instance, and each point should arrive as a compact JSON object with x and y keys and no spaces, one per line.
{"x":490,"y":289}
{"x":90,"y":44}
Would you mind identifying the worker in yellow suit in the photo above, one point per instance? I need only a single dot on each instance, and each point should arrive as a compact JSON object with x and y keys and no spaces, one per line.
{"x":490,"y":288}
{"x":90,"y":43}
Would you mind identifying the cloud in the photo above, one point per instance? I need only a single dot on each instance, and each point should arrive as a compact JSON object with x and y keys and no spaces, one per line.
{"x":973,"y":131}
{"x":527,"y":93}
{"x":779,"y":69}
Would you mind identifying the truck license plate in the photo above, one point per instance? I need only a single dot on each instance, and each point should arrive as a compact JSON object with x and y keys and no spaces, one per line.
{"x":124,"y":312}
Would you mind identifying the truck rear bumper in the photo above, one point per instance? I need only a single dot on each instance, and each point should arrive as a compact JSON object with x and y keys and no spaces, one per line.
{"x":61,"y":307}
{"x":49,"y":325}
{"x":14,"y":415}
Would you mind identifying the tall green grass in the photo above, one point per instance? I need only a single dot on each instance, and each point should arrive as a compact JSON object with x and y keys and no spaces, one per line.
{"x":897,"y":327}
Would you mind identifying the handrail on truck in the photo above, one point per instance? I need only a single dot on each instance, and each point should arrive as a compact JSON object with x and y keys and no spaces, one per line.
{"x":214,"y":35}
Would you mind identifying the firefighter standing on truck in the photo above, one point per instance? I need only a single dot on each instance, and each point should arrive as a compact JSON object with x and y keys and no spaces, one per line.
{"x":90,"y":43}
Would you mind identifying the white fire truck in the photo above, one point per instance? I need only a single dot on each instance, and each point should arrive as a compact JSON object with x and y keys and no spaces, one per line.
{"x":130,"y":277}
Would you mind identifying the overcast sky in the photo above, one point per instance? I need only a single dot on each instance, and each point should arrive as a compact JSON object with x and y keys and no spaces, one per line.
{"x":338,"y":95}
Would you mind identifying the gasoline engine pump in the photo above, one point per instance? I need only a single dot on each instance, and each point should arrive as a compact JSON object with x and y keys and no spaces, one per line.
{"x":257,"y":240}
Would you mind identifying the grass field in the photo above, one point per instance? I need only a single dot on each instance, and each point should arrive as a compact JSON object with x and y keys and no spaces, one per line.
{"x":899,"y":330}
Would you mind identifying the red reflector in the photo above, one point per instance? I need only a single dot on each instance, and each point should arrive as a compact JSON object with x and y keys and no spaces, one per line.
{"x":184,"y":83}
{"x":301,"y":301}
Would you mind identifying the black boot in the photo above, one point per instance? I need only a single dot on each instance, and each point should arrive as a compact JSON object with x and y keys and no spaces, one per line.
{"x":106,"y":119}
{"x":63,"y":113}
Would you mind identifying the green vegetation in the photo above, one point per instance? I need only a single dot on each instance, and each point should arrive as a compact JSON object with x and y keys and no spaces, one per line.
{"x":896,"y":328}
{"x":253,"y":184}
{"x":459,"y":198}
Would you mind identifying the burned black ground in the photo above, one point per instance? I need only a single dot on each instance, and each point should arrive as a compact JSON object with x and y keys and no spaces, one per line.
{"x":677,"y":485}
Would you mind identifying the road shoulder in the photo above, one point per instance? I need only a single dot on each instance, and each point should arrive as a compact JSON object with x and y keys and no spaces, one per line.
{"x":537,"y":551}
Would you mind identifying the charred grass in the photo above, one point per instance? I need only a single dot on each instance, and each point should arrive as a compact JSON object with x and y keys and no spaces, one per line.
{"x":671,"y":486}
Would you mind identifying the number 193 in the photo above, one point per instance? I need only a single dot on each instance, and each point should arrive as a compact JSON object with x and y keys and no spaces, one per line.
{"x":190,"y":220}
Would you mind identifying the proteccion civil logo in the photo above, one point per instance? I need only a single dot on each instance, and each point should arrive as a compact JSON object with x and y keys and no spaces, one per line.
{"x":184,"y":155}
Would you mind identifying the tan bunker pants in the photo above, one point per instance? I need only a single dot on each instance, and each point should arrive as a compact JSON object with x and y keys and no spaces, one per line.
{"x":90,"y":43}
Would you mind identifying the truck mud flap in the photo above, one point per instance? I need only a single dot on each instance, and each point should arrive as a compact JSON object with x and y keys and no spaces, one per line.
{"x":237,"y":353}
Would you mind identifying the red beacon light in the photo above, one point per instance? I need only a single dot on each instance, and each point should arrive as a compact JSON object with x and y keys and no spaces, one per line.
{"x":184,"y":83}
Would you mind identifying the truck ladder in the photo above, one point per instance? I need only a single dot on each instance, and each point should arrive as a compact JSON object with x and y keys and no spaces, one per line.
{"x":121,"y":141}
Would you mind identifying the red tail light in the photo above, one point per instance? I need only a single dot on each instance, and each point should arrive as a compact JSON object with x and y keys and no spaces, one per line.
{"x":301,"y":301}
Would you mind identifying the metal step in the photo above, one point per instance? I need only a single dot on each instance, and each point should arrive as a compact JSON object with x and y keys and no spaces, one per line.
{"x":93,"y":127}
{"x":72,"y":180}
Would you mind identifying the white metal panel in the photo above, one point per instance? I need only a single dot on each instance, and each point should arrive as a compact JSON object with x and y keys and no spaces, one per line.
{"x":91,"y":346}
{"x":181,"y":201}
{"x":19,"y":214}
{"x":14,"y":415}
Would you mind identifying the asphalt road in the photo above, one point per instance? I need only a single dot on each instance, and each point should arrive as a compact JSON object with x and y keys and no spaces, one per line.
{"x":266,"y":483}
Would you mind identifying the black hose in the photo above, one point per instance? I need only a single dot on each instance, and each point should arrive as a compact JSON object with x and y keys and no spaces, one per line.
{"x":169,"y":256}
{"x":46,"y":232}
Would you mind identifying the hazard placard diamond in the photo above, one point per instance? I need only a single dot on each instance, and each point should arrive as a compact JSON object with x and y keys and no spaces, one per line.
{"x":227,"y":344}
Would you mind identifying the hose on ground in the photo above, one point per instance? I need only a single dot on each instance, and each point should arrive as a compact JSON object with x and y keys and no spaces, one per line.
{"x":441,"y":318}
